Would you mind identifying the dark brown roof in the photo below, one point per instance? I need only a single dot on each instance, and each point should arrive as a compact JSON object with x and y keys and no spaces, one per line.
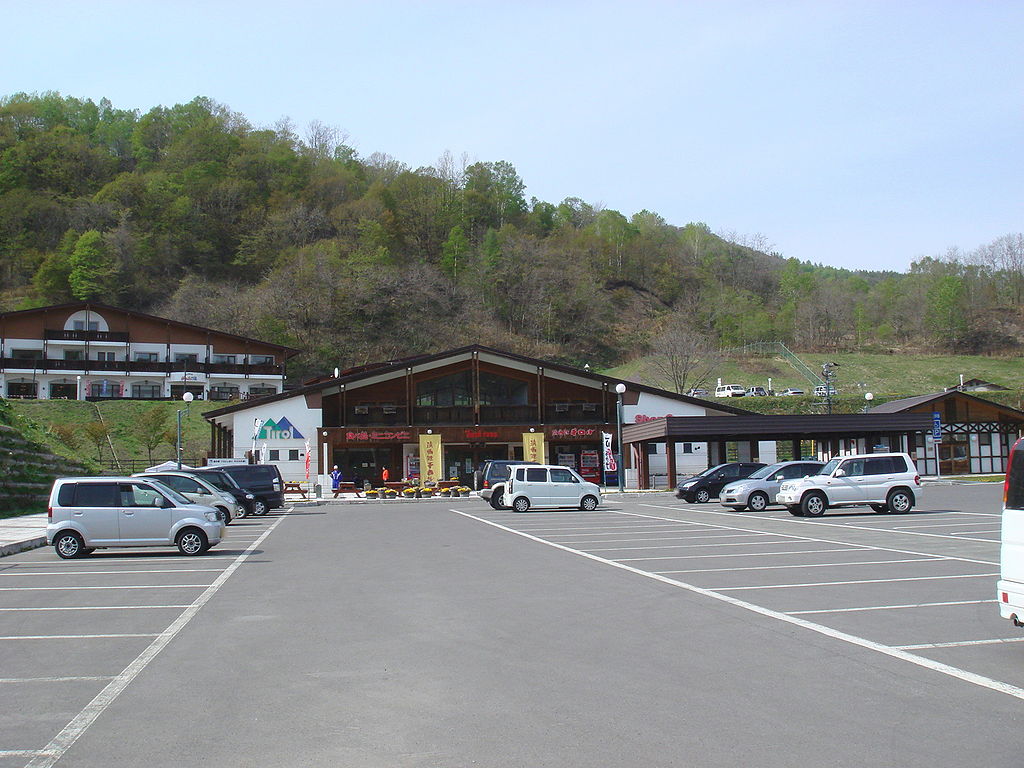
{"x":76,"y":305}
{"x":907,"y":403}
{"x":754,"y":426}
{"x":375,"y":369}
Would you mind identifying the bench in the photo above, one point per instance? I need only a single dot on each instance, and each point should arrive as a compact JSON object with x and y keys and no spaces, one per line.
{"x":295,"y":488}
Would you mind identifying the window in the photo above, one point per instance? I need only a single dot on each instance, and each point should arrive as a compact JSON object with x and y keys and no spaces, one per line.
{"x":107,"y":356}
{"x":96,"y":495}
{"x":562,"y":476}
{"x":147,"y":357}
{"x":536,"y":475}
{"x":74,"y":354}
{"x":260,"y":391}
{"x":854,"y":468}
{"x":261,"y":359}
{"x":224,"y":359}
{"x":182,"y":357}
{"x":293,"y":455}
{"x":27,"y":354}
{"x":147,"y":391}
{"x":275,"y":455}
{"x":501,"y":390}
{"x":687,"y":447}
{"x":454,"y":389}
{"x":82,"y":325}
{"x":139,"y":496}
{"x":880,"y":466}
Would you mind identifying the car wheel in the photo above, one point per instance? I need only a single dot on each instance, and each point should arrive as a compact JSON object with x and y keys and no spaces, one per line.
{"x":227,"y":515}
{"x":814,"y":504}
{"x":702,"y":496}
{"x":588,"y":503}
{"x":192,"y":541}
{"x":757,"y":501}
{"x":498,"y":500}
{"x":259,"y":507}
{"x":795,"y":511}
{"x":69,"y":544}
{"x":521,"y":504}
{"x":879,"y":507}
{"x":900,"y":500}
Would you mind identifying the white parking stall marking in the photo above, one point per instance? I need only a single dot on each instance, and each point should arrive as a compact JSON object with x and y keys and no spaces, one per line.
{"x":596,"y":536}
{"x":76,"y":637}
{"x":76,"y":679}
{"x":124,"y":586}
{"x":961,"y":644}
{"x":963,"y":533}
{"x":858,"y":581}
{"x":818,"y":539}
{"x":717,"y":555}
{"x":887,"y":650}
{"x":94,"y":573}
{"x":623,"y":541}
{"x":97,"y":608}
{"x":806,"y":565}
{"x":941,"y":525}
{"x":904,"y":606}
{"x":650,"y":527}
{"x":684,"y":546}
{"x":24,"y":753}
{"x":63,"y":741}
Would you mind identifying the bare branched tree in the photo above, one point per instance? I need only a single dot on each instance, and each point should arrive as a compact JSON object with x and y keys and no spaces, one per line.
{"x":684,"y":356}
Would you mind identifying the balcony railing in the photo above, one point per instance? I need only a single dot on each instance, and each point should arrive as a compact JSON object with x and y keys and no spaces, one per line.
{"x":463,"y":415}
{"x":137,"y":366}
{"x":60,"y":335}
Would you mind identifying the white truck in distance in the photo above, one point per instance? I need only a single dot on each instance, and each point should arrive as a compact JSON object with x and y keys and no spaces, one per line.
{"x":1010,"y":587}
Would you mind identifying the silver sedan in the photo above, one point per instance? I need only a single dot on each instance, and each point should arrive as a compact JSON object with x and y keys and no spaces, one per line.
{"x":760,"y":489}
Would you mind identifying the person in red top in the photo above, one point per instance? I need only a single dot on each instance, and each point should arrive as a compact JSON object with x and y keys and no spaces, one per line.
{"x":384,"y":475}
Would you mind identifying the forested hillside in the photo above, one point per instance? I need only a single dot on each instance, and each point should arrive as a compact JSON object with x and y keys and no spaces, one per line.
{"x":292,"y":236}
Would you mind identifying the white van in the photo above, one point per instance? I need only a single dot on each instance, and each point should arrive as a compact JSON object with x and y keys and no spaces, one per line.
{"x":730,"y":390}
{"x":1010,"y":587}
{"x":549,"y":485}
{"x":89,"y":513}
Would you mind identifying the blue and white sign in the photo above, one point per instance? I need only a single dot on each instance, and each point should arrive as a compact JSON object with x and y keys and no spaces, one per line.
{"x":936,"y":426}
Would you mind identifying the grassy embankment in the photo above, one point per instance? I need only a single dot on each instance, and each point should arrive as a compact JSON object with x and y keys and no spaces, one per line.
{"x":887,"y":377}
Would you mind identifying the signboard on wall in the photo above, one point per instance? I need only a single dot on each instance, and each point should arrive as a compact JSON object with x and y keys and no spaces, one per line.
{"x":430,"y":457}
{"x":533,"y":447}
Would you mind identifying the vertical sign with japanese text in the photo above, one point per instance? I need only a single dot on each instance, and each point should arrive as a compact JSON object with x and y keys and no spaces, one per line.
{"x":430,"y":457}
{"x":609,"y":456}
{"x":533,"y":447}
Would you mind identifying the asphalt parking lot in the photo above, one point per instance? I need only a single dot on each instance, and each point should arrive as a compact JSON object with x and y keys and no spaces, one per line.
{"x":649,"y":632}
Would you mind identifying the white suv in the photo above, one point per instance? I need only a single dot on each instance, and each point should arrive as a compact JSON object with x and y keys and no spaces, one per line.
{"x":549,"y":485}
{"x":887,"y":482}
{"x":730,"y":390}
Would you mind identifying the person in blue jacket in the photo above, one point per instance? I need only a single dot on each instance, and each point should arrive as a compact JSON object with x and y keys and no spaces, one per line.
{"x":335,"y":480}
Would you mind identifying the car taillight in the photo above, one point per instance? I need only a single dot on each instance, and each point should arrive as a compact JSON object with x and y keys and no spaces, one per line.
{"x":487,"y":484}
{"x":1009,"y":466}
{"x":917,"y":479}
{"x":49,"y":514}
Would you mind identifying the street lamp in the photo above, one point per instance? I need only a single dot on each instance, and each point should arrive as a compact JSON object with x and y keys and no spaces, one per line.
{"x":78,"y":387}
{"x":187,"y":398}
{"x":620,"y":388}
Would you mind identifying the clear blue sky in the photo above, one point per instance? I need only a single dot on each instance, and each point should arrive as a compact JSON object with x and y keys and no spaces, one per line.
{"x":858,"y":134}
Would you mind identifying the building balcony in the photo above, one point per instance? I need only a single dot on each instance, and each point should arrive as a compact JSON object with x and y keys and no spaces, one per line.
{"x":119,"y":337}
{"x":126,"y":367}
{"x":464,"y":415}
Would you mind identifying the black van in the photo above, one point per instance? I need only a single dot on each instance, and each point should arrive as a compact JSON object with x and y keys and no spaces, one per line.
{"x":261,"y":480}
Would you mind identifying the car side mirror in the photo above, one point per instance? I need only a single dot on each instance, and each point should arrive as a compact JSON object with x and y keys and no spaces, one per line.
{"x":780,"y":476}
{"x":840,"y":473}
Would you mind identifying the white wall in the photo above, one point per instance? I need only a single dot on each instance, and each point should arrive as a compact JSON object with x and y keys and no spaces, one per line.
{"x":305,"y":420}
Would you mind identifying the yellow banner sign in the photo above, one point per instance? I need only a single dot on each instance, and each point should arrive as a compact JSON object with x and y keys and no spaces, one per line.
{"x":430,"y":458}
{"x":533,"y":447}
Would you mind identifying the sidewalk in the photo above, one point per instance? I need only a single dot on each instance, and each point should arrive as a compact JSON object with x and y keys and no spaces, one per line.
{"x":20,"y":533}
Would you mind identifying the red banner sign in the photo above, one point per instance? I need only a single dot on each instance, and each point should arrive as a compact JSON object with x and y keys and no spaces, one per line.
{"x":481,"y":434}
{"x":575,"y":432}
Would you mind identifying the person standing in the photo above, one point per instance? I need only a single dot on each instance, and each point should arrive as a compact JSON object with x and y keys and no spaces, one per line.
{"x":336,"y":480}
{"x":384,"y":476}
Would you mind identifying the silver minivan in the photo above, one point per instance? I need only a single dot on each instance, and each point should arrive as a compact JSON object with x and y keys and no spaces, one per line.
{"x":549,"y":485}
{"x":198,"y":491}
{"x":89,"y":513}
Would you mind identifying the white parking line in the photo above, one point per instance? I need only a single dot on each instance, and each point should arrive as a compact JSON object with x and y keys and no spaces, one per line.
{"x":859,"y":581}
{"x":96,"y":608}
{"x":24,"y":753}
{"x":79,"y":678}
{"x":939,"y":525}
{"x":994,"y":641}
{"x":654,"y":528}
{"x":683,"y":546}
{"x":624,"y":541}
{"x":125,"y":586}
{"x":581,"y":536}
{"x":92,"y":573}
{"x":74,"y":637}
{"x":63,"y":741}
{"x":819,"y":540}
{"x":963,"y":533}
{"x":871,"y":645}
{"x":816,"y":523}
{"x":889,"y":607}
{"x":806,"y":565}
{"x":717,"y":556}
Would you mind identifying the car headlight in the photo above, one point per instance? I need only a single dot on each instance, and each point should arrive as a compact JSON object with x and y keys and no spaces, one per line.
{"x":689,"y":484}
{"x":213,"y":517}
{"x":249,"y":496}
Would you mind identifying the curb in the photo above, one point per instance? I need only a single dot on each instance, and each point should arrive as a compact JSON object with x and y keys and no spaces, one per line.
{"x":21,"y":546}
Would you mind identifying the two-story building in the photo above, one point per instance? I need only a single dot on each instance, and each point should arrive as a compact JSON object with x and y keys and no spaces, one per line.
{"x":86,"y":350}
{"x":472,"y":403}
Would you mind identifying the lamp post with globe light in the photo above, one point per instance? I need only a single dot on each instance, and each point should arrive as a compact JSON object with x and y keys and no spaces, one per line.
{"x":186,"y":398}
{"x":620,"y":388}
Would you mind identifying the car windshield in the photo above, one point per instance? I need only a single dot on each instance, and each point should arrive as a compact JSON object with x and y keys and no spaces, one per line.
{"x":169,"y":492}
{"x":710,"y":470}
{"x":219,"y":480}
{"x":765,"y":471}
{"x":829,"y":468}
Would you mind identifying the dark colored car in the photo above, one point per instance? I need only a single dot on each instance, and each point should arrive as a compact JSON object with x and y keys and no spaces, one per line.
{"x":261,"y":480}
{"x":492,"y":480}
{"x":224,"y":482}
{"x":700,"y":488}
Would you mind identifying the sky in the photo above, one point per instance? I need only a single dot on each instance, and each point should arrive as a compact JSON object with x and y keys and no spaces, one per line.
{"x":856,"y":134}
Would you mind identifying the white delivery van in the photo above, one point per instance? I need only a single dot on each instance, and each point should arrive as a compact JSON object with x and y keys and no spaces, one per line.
{"x":1010,"y":588}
